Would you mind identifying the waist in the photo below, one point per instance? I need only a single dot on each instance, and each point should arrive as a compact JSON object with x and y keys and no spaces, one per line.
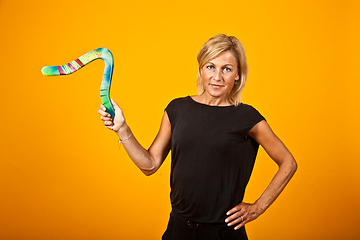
{"x":193,"y":224}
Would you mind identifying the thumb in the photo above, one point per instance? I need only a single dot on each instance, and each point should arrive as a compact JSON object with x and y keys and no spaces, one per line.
{"x":115,"y":105}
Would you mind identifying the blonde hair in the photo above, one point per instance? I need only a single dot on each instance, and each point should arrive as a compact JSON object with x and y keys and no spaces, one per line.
{"x":215,"y":46}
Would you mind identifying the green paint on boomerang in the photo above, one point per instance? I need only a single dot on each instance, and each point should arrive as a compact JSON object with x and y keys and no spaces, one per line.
{"x":99,"y":53}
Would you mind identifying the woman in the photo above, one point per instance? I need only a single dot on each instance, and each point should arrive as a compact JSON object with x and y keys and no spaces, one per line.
{"x":214,"y":139}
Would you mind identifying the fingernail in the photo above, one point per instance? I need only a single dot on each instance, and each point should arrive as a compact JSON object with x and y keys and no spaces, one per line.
{"x":226,"y":220}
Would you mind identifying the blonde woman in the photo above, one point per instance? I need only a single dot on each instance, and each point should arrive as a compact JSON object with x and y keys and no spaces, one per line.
{"x":214,"y":139}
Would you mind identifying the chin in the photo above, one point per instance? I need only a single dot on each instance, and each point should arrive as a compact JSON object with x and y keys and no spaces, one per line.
{"x":216,"y":94}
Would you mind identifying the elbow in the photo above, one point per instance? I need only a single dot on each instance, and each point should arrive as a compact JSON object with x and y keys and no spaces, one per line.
{"x":293,"y":166}
{"x":289,"y":166}
{"x":148,"y":173}
{"x":151,"y":168}
{"x":148,"y":170}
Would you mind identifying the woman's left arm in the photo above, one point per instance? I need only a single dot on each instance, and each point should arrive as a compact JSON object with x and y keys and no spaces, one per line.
{"x":246,"y":212}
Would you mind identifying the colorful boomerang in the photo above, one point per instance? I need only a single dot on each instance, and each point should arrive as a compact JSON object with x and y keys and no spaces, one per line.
{"x":99,"y":53}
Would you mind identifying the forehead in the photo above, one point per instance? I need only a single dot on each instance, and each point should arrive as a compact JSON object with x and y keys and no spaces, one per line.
{"x":226,"y":57}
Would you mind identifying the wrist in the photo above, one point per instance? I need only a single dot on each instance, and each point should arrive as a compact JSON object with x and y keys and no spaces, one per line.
{"x":123,"y":132}
{"x":260,"y":206}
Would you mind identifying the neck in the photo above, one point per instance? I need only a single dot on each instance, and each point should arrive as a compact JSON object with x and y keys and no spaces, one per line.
{"x":212,"y":101}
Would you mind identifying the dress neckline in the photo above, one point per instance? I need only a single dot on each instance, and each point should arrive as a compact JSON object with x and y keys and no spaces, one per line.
{"x":212,"y":106}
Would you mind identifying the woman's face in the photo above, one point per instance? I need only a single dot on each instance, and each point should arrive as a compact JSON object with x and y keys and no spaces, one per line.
{"x":219,"y":74}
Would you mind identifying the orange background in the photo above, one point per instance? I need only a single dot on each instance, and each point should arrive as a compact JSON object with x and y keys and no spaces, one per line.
{"x":62,"y":175}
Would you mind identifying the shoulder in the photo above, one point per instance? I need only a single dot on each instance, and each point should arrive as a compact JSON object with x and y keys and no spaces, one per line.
{"x":177,"y":107}
{"x":247,"y":107}
{"x":250,"y":111}
{"x":178,"y":101}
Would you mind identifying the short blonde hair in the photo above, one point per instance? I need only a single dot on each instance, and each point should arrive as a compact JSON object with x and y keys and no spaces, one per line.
{"x":215,"y":46}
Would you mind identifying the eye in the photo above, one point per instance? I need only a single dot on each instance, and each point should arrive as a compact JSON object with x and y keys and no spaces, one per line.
{"x":226,"y":69}
{"x":210,"y":67}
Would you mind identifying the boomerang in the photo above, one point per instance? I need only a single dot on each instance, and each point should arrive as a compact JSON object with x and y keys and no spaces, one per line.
{"x":71,"y":67}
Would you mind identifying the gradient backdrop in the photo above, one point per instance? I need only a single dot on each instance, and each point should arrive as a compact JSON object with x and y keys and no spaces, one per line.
{"x":62,"y":174}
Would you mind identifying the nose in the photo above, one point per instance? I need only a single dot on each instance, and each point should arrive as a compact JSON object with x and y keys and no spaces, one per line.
{"x":217,"y":74}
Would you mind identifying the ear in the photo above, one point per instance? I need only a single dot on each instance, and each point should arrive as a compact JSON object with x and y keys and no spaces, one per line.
{"x":200,"y":71}
{"x":237,"y":77}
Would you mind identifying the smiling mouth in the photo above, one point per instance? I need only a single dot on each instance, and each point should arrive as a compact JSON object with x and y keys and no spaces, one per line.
{"x":216,"y":86}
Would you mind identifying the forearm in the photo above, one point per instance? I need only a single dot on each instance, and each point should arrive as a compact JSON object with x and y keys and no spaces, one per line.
{"x":149,"y":160}
{"x":277,"y":184}
{"x":138,"y":154}
{"x":243,"y":213}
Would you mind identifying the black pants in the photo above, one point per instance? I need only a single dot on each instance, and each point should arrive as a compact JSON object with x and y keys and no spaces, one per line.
{"x":181,"y":229}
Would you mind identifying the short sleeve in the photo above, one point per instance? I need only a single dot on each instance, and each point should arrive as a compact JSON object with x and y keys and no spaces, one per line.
{"x":253,"y":117}
{"x":170,"y":110}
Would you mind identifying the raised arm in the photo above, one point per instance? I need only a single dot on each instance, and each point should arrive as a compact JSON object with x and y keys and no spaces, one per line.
{"x":245,"y":212}
{"x":147,"y":160}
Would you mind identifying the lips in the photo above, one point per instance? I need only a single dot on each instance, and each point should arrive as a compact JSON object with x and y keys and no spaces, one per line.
{"x":216,"y":86}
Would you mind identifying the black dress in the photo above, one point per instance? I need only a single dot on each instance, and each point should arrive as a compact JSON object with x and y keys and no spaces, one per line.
{"x":212,"y":158}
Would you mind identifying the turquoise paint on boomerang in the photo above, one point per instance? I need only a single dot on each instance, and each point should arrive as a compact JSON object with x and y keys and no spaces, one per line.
{"x":71,"y":67}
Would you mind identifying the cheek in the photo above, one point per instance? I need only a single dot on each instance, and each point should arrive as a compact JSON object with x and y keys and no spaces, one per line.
{"x":231,"y":79}
{"x":205,"y":76}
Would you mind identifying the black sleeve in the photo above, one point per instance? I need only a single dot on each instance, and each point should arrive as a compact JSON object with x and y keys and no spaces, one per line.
{"x":170,"y":110}
{"x":253,"y":117}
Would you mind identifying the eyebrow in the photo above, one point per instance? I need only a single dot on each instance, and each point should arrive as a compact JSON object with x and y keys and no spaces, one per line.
{"x":228,"y":64}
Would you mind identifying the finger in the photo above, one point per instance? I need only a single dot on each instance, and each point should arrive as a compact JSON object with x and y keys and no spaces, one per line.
{"x":236,"y":214}
{"x":108,"y":123}
{"x":241,"y":221}
{"x":110,"y":127}
{"x":235,"y":221}
{"x":238,"y":218}
{"x":246,"y":218}
{"x":232,"y":217}
{"x":102,"y":107}
{"x":240,"y":225}
{"x":103,"y":113}
{"x":235,"y":209}
{"x":106,"y":118}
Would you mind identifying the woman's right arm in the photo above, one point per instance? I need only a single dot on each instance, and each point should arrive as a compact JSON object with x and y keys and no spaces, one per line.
{"x":147,"y":160}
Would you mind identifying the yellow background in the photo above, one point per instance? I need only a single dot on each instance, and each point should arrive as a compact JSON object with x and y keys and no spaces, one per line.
{"x":62,"y":175}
